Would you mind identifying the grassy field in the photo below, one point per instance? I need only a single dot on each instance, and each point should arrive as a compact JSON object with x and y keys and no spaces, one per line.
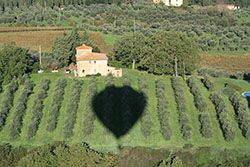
{"x":106,"y":141}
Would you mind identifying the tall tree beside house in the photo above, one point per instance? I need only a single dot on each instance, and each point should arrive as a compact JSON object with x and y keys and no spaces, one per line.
{"x":64,"y":48}
{"x":15,"y":62}
{"x":157,"y":53}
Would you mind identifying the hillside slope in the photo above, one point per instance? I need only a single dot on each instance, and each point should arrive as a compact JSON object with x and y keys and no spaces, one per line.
{"x":103,"y":140}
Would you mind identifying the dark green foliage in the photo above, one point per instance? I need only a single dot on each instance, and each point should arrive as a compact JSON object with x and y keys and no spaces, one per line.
{"x":64,"y":48}
{"x":146,"y":122}
{"x":212,"y":72}
{"x":242,"y":113}
{"x":206,"y":127}
{"x":72,"y":109}
{"x":37,"y":108}
{"x":199,"y":99}
{"x":208,"y":82}
{"x":7,"y":103}
{"x":56,"y":104}
{"x":15,"y":128}
{"x":223,"y":117}
{"x":162,"y":110}
{"x":15,"y":62}
{"x":181,"y":107}
{"x":89,"y":115}
{"x":10,"y":156}
{"x":142,"y":49}
{"x":201,"y":105}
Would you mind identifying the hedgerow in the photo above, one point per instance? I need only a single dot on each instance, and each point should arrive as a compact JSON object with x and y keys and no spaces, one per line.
{"x":242,"y":113}
{"x":56,"y":104}
{"x":7,"y":102}
{"x":89,"y":116}
{"x":201,"y":105}
{"x":38,"y":108}
{"x":208,"y":82}
{"x":125,"y":103}
{"x":223,"y":117}
{"x":162,"y":109}
{"x":109,"y":97}
{"x":199,"y":99}
{"x":146,"y":122}
{"x":16,"y":125}
{"x":72,"y":109}
{"x":181,"y":107}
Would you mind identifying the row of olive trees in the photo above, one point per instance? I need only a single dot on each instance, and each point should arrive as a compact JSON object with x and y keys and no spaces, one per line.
{"x":89,"y":116}
{"x":72,"y":109}
{"x":109,"y":98}
{"x":125,"y":103}
{"x":223,"y":117}
{"x":7,"y":102}
{"x":37,"y":108}
{"x":56,"y":104}
{"x":208,"y":82}
{"x":146,"y":121}
{"x":16,"y":125}
{"x":162,"y":109}
{"x":181,"y":107}
{"x":242,"y":113}
{"x":201,"y":105}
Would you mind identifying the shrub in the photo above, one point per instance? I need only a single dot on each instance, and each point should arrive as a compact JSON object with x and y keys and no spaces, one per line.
{"x":208,"y":82}
{"x":206,"y":128}
{"x":181,"y":107}
{"x":223,"y":117}
{"x":162,"y":109}
{"x":56,"y":104}
{"x":15,"y":127}
{"x":242,"y":113}
{"x":7,"y":102}
{"x":38,"y":108}
{"x":89,"y":116}
{"x":72,"y":109}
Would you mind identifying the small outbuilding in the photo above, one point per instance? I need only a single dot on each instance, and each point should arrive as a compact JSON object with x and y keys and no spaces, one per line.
{"x":91,"y":63}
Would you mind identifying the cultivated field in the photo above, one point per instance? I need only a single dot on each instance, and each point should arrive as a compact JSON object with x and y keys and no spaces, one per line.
{"x":101,"y":139}
{"x":33,"y":39}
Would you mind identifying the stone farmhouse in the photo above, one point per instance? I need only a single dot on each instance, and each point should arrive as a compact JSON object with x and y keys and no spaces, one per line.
{"x":91,"y":63}
{"x":176,"y":3}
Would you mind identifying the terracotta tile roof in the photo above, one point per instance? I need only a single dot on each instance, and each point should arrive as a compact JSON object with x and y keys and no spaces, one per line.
{"x":84,"y":47}
{"x":92,"y":56}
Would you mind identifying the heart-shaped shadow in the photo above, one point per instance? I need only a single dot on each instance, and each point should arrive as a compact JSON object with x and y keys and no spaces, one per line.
{"x":119,"y":108}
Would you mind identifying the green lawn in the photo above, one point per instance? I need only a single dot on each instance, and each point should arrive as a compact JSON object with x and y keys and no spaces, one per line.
{"x":107,"y":141}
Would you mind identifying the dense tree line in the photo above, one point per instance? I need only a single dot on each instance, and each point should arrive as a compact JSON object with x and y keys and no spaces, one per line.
{"x":156,"y":53}
{"x":146,"y":120}
{"x":242,"y":3}
{"x":15,"y":62}
{"x":201,"y":105}
{"x":242,"y":114}
{"x":56,"y":104}
{"x":89,"y":115}
{"x":223,"y":117}
{"x":181,"y":107}
{"x":162,"y":110}
{"x":72,"y":109}
{"x":7,"y":103}
{"x":37,"y":109}
{"x":16,"y":125}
